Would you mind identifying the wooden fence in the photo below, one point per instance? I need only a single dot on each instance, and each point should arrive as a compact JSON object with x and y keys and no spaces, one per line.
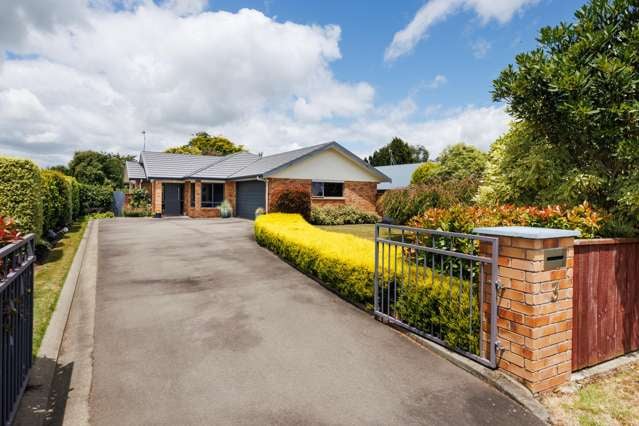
{"x":605,"y":300}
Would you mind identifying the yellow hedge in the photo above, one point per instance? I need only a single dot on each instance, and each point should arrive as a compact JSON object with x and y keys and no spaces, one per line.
{"x":347,"y":263}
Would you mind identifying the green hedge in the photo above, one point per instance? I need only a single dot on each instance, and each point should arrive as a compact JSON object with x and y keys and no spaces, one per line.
{"x":75,"y":196}
{"x":95,"y":199}
{"x":341,"y":215}
{"x":20,"y":194}
{"x":56,"y":200}
{"x":346,"y":264}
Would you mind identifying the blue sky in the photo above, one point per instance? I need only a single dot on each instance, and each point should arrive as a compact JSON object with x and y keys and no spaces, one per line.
{"x":369,"y":26}
{"x":271,"y":75}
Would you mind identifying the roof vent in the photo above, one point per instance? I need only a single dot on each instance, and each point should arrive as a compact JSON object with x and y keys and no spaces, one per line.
{"x":260,"y":154}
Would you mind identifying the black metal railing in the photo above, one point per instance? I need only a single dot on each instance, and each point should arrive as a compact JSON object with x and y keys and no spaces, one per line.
{"x":439,"y":285}
{"x":16,"y":302}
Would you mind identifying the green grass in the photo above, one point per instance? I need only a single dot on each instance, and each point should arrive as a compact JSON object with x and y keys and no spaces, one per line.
{"x":50,"y":273}
{"x":366,"y":231}
{"x":612,"y":399}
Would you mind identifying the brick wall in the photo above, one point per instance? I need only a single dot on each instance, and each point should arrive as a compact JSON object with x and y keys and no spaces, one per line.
{"x":362,"y":195}
{"x":534,"y":319}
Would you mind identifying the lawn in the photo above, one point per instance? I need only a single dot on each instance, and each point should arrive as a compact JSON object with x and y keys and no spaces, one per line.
{"x":366,"y":231}
{"x":50,"y":273}
{"x":611,"y":399}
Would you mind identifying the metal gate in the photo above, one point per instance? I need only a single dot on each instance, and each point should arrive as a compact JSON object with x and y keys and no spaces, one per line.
{"x":439,"y":285}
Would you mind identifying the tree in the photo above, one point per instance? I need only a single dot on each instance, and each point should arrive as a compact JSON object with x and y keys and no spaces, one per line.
{"x":60,"y":168}
{"x":461,"y":161}
{"x":398,"y":152}
{"x":576,"y":98}
{"x":204,"y":144}
{"x":98,"y":168}
{"x":425,"y":173}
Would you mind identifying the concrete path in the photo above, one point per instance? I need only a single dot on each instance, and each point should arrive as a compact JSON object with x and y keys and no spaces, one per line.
{"x":196,"y":324}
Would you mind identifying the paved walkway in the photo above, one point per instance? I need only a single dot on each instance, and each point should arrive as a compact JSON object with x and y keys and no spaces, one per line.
{"x":196,"y":324}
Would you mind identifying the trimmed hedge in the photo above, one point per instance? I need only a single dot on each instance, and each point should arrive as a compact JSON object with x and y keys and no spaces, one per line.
{"x":464,"y":219}
{"x":95,"y":199}
{"x":346,"y":264}
{"x":341,"y":215}
{"x":21,"y":194}
{"x":56,"y":200}
{"x":75,"y":196}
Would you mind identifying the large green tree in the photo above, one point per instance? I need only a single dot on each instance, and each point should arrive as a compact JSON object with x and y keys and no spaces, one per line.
{"x":576,"y":101}
{"x":98,"y":168}
{"x":461,"y":161}
{"x":398,"y":152}
{"x":204,"y":144}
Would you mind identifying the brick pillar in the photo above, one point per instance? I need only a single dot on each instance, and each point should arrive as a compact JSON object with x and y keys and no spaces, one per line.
{"x":534,"y":315}
{"x":156,"y":196}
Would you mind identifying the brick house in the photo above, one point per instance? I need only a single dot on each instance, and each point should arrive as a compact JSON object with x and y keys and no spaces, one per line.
{"x":196,"y":185}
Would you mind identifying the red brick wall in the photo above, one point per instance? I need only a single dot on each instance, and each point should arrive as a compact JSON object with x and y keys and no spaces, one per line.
{"x":362,"y":195}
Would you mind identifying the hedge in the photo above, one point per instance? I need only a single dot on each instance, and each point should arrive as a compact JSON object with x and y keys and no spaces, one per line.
{"x":75,"y":196}
{"x":21,"y":194}
{"x":56,"y":200}
{"x":341,"y":215}
{"x":464,"y":219}
{"x":345,"y":263}
{"x":95,"y":199}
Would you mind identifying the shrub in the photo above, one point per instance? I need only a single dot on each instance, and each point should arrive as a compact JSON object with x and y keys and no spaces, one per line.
{"x":346,"y":264}
{"x":259,"y":211}
{"x":20,"y":194}
{"x":137,"y":212}
{"x":341,"y":215}
{"x":425,"y":173}
{"x":461,"y":218}
{"x":225,"y":209}
{"x":294,"y":202}
{"x":56,"y":200}
{"x":95,"y":199}
{"x":402,"y":204}
{"x":140,"y":198}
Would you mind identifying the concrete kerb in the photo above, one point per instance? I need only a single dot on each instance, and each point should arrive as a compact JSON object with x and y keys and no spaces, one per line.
{"x":33,"y":407}
{"x":516,"y":391}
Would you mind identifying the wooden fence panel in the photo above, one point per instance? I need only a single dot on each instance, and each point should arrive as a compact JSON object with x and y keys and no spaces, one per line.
{"x":605,"y":300}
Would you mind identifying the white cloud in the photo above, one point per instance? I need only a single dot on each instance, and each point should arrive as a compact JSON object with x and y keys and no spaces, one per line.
{"x":433,"y":11}
{"x":102,"y":77}
{"x":480,"y":48}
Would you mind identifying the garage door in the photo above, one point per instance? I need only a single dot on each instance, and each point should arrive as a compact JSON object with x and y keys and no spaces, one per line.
{"x":250,"y":196}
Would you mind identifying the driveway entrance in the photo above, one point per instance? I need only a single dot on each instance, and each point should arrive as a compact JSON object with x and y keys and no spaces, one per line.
{"x":196,"y":324}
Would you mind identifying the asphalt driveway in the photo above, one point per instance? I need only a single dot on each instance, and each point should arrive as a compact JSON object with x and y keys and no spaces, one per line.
{"x":196,"y":324}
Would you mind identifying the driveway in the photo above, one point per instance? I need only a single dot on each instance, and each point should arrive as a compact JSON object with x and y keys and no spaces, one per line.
{"x":197,"y":324}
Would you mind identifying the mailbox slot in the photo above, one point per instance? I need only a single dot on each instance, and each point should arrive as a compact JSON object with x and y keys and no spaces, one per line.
{"x":554,"y":258}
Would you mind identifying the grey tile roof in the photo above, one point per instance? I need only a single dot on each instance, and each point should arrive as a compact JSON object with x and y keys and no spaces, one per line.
{"x":271,"y":162}
{"x":134,"y":170}
{"x":400,"y":174}
{"x":229,"y":165}
{"x":174,"y":166}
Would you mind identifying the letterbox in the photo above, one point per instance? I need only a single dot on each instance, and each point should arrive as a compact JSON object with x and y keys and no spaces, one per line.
{"x":554,"y":258}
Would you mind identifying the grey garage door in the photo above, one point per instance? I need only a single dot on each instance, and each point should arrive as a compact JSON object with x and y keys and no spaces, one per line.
{"x":250,"y":196}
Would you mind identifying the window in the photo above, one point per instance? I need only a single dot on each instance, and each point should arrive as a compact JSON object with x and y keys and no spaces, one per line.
{"x":212,"y":194}
{"x":192,"y":194}
{"x":328,"y":189}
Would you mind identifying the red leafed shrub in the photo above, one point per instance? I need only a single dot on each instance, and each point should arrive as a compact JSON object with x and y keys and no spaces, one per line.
{"x":8,"y":231}
{"x":461,"y":218}
{"x":294,"y":202}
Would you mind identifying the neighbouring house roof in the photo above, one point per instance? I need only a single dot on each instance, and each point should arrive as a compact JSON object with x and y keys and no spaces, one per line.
{"x":400,"y":174}
{"x":161,"y":165}
{"x":134,"y":170}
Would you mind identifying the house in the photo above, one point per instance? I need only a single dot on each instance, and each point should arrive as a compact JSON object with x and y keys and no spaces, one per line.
{"x":196,"y":185}
{"x":400,"y":175}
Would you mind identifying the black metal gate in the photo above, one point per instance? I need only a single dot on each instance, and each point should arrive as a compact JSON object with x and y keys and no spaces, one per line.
{"x":439,"y":285}
{"x":16,"y":301}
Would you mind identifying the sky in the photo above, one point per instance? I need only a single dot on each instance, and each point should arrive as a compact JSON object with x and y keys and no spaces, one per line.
{"x":272,"y":75}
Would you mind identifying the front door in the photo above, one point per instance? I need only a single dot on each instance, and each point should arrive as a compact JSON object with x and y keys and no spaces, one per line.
{"x":172,"y":199}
